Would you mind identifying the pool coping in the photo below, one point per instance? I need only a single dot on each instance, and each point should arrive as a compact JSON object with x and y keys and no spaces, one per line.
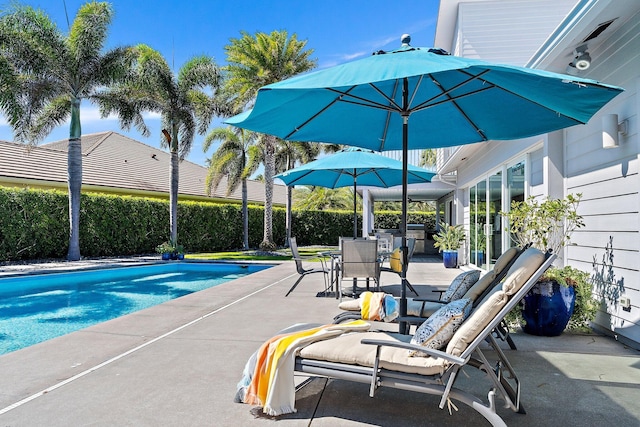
{"x":16,"y":270}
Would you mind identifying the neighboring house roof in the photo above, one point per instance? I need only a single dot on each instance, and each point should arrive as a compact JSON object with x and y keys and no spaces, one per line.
{"x":115,"y":163}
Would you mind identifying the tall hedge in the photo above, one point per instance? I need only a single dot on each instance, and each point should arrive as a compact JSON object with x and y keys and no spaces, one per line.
{"x":34,"y":224}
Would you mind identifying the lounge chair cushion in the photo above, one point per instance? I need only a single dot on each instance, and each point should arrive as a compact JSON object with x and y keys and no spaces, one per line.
{"x":438,"y":329}
{"x":478,"y":320}
{"x":423,"y":308}
{"x":483,"y":282}
{"x":480,"y":286}
{"x":521,"y":270}
{"x":348,"y":349}
{"x":460,"y":285}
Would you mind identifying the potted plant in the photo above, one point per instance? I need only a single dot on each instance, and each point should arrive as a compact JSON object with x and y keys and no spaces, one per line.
{"x":565,"y":292}
{"x":478,"y":243}
{"x":448,"y":240}
{"x":178,"y":252}
{"x":563,"y":295}
{"x":166,"y":249}
{"x":170,"y":250}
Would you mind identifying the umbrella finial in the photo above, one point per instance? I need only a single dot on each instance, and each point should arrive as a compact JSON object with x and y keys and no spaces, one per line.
{"x":405,"y":39}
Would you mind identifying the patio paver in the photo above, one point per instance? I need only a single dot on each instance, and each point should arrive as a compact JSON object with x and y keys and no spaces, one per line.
{"x":178,"y":364}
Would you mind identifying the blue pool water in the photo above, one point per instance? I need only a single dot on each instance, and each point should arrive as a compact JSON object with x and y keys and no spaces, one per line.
{"x":36,"y":308}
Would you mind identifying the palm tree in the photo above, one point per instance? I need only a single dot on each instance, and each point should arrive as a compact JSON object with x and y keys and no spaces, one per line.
{"x":428,"y":158}
{"x":47,"y":74}
{"x":185,"y":102}
{"x":255,"y":61}
{"x":288,"y":154}
{"x":321,"y":198}
{"x":231,"y":160}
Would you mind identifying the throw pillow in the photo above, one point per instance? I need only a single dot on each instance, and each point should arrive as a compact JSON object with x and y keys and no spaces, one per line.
{"x":460,"y":285}
{"x":438,"y":329}
{"x":395,"y":261}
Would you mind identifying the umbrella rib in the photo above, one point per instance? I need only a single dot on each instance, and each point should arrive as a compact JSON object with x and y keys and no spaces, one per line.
{"x":294,"y":182}
{"x":384,"y":95}
{"x":297,"y":128}
{"x":461,"y":111}
{"x":530,"y":100}
{"x":387,"y":120}
{"x":367,"y":102}
{"x":445,"y":92}
{"x":415,"y":89}
{"x":428,"y":103}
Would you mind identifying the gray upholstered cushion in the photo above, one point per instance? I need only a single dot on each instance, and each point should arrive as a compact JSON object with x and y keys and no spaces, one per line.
{"x":478,"y":320}
{"x":460,"y":285}
{"x":521,"y":271}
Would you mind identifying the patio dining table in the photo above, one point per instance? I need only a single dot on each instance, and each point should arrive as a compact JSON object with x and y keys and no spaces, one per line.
{"x":334,"y":257}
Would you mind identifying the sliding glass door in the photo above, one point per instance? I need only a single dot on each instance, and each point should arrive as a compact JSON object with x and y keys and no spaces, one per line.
{"x":487,"y":232}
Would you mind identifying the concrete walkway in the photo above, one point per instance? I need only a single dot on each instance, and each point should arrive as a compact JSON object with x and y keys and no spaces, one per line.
{"x":177,"y":364}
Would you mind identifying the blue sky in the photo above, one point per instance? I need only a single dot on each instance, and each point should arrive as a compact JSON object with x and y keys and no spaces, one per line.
{"x":337,"y":31}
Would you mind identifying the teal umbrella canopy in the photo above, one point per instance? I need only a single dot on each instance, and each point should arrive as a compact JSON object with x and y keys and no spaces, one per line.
{"x":447,"y":100}
{"x":418,"y":98}
{"x":353,"y":167}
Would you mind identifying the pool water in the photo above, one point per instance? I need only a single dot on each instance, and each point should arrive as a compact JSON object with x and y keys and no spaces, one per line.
{"x":36,"y":308}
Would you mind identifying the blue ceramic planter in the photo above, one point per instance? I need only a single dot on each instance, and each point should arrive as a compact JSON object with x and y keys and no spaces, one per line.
{"x":548,"y":308}
{"x":450,"y":258}
{"x":478,"y":257}
{"x":166,"y":256}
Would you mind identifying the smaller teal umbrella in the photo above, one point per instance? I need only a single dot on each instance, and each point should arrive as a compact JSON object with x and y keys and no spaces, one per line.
{"x":352,"y":167}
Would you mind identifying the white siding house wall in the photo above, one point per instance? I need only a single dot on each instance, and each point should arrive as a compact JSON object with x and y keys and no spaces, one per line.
{"x":536,"y":179}
{"x":573,"y":160}
{"x":489,"y":156}
{"x":485,"y":29}
{"x":609,"y":245}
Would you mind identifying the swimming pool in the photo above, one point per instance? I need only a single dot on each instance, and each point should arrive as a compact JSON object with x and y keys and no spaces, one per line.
{"x":36,"y":308}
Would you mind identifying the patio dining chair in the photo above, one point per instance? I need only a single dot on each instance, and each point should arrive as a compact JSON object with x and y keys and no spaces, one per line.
{"x":359,"y":261}
{"x":303,"y":272}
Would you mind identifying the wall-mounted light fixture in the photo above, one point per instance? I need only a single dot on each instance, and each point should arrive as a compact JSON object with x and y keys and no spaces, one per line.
{"x":582,"y":59}
{"x":610,"y":129}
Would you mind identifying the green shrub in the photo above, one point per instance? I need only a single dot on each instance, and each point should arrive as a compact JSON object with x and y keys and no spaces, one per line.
{"x":391,"y":219}
{"x":35,"y":224}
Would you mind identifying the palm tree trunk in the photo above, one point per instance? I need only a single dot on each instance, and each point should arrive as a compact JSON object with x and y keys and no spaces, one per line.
{"x":174,"y":177}
{"x":269,"y":169}
{"x":245,"y":216}
{"x":74,"y":172}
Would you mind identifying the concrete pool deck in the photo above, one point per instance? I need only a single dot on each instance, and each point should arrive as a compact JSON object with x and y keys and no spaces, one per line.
{"x":177,"y":364}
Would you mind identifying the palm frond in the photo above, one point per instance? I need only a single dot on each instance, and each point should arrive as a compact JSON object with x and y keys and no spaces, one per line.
{"x":54,"y":113}
{"x":88,"y":32}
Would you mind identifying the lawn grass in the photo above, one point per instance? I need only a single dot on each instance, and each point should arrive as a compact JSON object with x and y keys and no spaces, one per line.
{"x":239,"y":256}
{"x":280,"y":255}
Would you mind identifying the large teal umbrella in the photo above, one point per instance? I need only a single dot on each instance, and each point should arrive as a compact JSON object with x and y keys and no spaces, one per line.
{"x":352,"y":167}
{"x":414,"y":98}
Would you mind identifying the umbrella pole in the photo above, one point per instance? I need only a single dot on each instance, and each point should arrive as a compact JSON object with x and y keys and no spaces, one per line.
{"x":355,"y":211}
{"x":404,"y":326}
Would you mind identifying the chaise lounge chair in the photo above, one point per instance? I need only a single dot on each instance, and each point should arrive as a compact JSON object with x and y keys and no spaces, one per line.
{"x":466,"y":285}
{"x":383,"y":359}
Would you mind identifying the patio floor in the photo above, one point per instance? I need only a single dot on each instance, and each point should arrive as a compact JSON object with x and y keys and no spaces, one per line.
{"x":178,"y":364}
